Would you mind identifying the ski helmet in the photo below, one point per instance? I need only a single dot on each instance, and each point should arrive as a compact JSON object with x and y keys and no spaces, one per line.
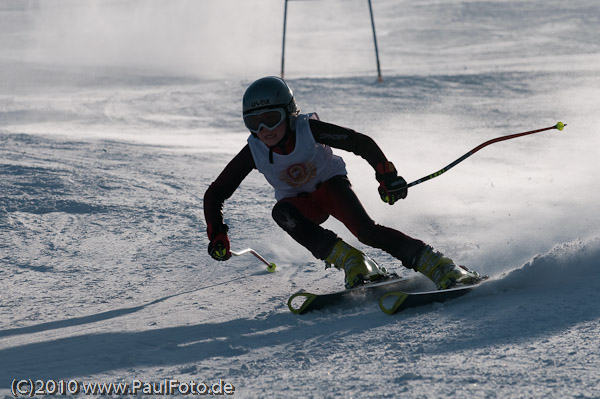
{"x":268,"y":93}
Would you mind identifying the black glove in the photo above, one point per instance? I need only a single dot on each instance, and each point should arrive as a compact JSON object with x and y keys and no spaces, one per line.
{"x":219,"y":247}
{"x":391,"y":186}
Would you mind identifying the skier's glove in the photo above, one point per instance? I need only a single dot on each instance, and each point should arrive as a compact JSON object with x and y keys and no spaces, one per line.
{"x":391,"y":186}
{"x":218,"y":247}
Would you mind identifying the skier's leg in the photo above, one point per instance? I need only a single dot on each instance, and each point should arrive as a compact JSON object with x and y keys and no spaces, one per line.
{"x":300,"y":218}
{"x":337,"y":197}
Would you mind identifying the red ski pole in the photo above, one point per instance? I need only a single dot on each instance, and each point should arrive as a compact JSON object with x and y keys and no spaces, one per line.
{"x":558,"y":126}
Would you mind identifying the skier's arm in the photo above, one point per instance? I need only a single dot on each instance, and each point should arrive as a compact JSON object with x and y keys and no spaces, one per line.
{"x":214,"y":198}
{"x":349,"y":140}
{"x":391,"y":186}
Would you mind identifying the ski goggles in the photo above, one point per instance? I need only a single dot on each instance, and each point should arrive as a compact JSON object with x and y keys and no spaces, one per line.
{"x":269,"y":118}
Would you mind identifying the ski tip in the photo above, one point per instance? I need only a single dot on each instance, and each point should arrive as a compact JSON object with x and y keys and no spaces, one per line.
{"x":300,"y":308}
{"x":392,"y":301}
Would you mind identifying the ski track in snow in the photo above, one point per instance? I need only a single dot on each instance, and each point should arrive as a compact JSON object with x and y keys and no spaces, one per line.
{"x":104,"y":270}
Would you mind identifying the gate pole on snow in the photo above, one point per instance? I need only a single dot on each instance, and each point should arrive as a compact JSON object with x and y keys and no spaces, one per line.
{"x":379,"y":78}
{"x":283,"y":45}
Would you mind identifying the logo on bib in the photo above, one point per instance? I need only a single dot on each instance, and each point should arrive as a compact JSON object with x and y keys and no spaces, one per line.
{"x":299,"y":174}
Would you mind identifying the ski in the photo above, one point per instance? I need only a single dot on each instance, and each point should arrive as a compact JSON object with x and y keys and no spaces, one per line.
{"x":397,"y":301}
{"x":302,"y":302}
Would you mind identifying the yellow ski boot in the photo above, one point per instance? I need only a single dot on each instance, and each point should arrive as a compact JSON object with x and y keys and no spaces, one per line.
{"x":357,"y":266}
{"x":442,"y":270}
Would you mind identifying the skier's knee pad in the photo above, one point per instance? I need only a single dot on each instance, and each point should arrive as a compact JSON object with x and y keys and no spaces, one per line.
{"x":286,"y":215}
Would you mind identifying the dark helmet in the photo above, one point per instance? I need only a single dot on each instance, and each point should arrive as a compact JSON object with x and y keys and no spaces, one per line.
{"x":269,"y":92}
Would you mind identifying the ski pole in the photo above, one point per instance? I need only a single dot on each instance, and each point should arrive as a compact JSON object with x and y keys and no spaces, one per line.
{"x":558,"y":126}
{"x":270,"y":266}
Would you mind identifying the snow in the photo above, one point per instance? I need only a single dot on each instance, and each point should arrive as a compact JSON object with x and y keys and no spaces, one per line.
{"x":116,"y":116}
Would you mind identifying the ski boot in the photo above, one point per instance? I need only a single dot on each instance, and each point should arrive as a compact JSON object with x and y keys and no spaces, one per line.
{"x":442,"y":270}
{"x":357,"y":266}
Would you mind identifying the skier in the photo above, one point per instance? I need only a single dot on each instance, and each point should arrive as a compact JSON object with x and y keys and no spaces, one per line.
{"x":293,"y":152}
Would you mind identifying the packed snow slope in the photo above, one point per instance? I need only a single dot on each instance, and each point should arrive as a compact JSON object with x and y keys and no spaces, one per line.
{"x":116,"y":116}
